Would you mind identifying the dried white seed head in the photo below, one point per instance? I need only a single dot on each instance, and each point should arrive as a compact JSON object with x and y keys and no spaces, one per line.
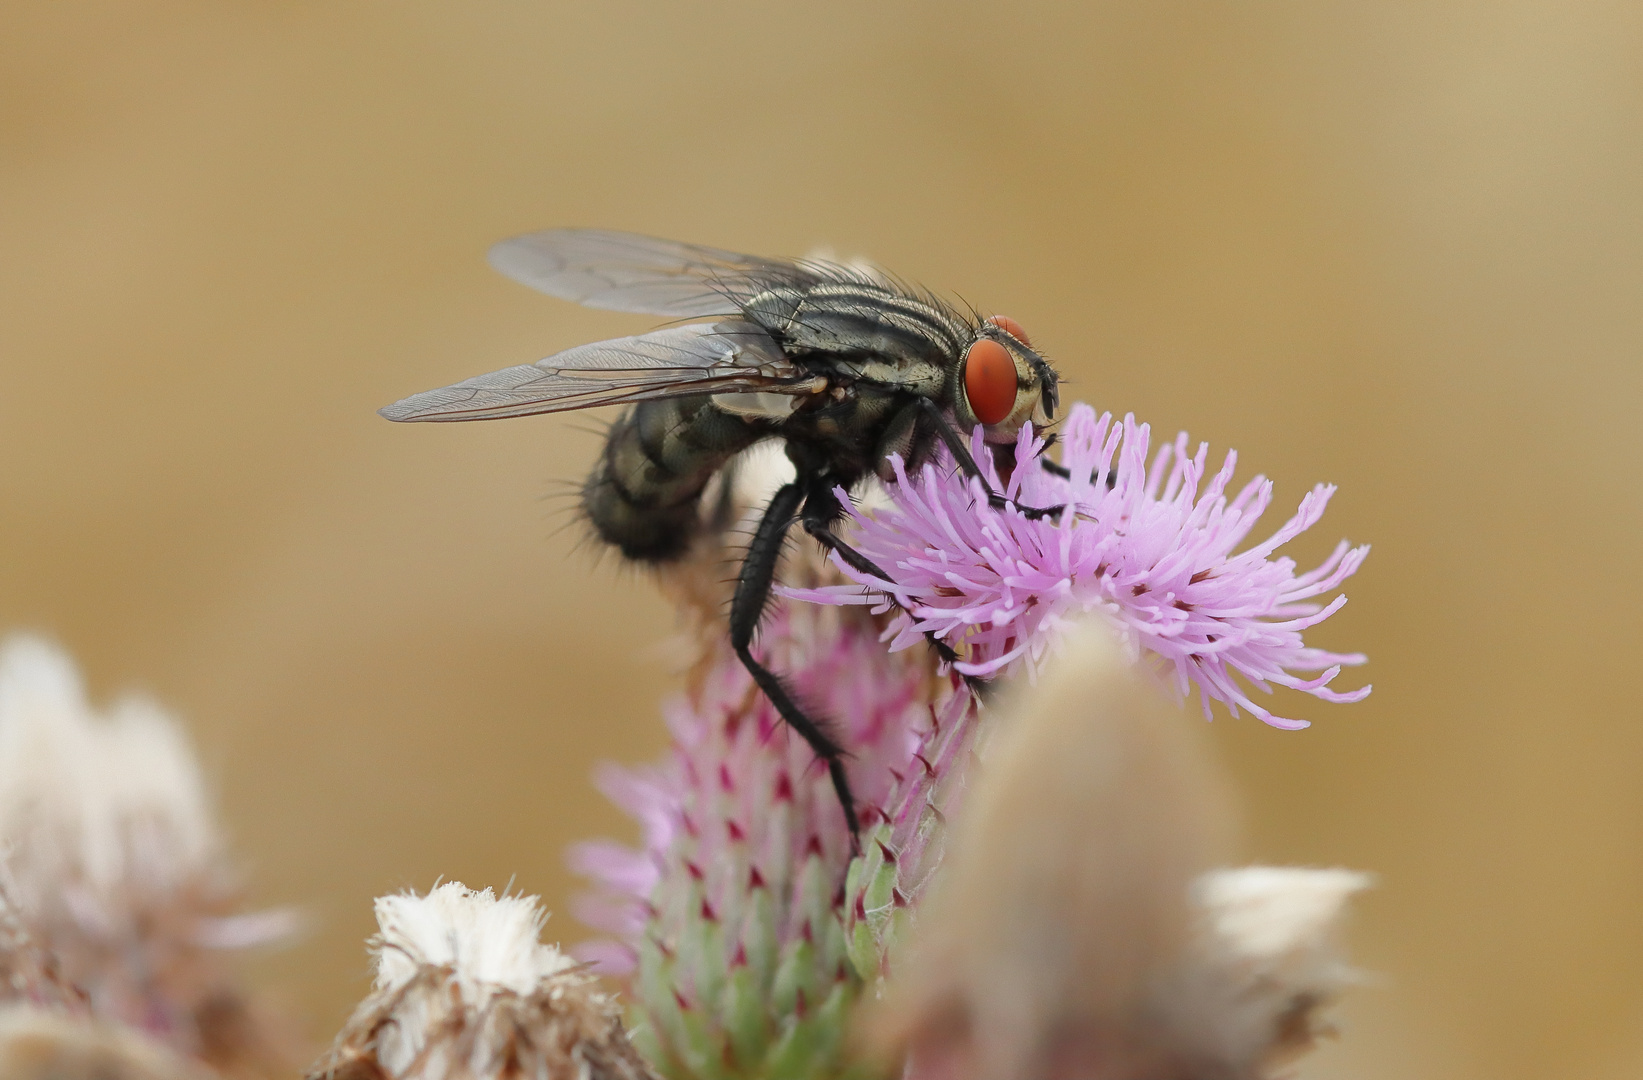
{"x":29,"y":974}
{"x":465,"y":989}
{"x":97,"y":810}
{"x":119,"y":897}
{"x":490,"y":943}
{"x":1266,"y":958}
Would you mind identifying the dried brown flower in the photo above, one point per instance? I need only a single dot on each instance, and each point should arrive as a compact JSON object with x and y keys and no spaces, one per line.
{"x":120,"y":900}
{"x":40,"y":1044}
{"x":466,"y":991}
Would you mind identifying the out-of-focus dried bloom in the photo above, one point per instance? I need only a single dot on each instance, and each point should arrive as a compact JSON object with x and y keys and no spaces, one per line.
{"x":114,"y":870}
{"x":1077,"y":929}
{"x":465,"y":989}
{"x":1151,"y":548}
{"x":733,"y":920}
{"x":29,"y":975}
{"x":41,"y":1044}
{"x":1267,"y":958}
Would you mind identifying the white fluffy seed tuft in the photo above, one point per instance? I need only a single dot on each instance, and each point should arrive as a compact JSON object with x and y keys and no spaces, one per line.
{"x":490,"y":943}
{"x":1265,"y":960}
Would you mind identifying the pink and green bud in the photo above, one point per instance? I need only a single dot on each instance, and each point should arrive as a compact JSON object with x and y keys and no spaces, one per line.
{"x":740,"y":958}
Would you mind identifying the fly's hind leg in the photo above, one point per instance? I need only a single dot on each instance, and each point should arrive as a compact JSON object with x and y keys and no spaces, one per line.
{"x":752,"y":594}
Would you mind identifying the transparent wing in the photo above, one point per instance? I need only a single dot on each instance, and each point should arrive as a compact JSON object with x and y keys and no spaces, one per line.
{"x":704,"y":358}
{"x":627,"y":272}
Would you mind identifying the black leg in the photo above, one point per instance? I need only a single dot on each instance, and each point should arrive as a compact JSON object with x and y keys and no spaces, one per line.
{"x":752,"y":594}
{"x":961,"y":454}
{"x":821,"y":510}
{"x":1062,"y":471}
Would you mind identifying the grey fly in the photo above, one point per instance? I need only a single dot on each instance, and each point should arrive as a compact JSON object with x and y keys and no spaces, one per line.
{"x":841,"y":363}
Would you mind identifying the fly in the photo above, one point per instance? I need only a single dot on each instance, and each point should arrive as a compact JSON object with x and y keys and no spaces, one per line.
{"x":842,"y":364}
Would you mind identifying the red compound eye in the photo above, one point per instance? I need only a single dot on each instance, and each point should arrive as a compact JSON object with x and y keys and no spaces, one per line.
{"x":1011,"y":327}
{"x":989,"y":381}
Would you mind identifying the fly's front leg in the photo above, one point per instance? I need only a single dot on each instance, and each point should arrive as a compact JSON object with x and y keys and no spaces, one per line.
{"x":752,"y":594}
{"x":1056,"y":469}
{"x":961,"y":454}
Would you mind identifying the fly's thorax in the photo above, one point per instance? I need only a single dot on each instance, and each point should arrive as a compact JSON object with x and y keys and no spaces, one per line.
{"x":922,"y":377}
{"x":842,"y":436}
{"x":858,"y":318}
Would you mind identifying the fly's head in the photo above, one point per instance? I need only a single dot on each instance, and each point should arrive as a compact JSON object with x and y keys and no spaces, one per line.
{"x":1002,"y":383}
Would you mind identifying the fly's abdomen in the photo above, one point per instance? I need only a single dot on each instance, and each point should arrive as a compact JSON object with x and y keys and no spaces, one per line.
{"x":642,"y":496}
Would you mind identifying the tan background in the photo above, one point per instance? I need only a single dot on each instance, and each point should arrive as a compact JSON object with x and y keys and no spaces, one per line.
{"x":1392,"y":245}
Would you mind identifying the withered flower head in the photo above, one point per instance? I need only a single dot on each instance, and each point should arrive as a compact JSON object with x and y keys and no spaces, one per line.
{"x":465,"y":991}
{"x":116,"y":882}
{"x":44,"y":1044}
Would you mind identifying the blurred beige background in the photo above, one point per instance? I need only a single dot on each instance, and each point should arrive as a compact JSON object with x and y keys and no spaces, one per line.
{"x":1397,"y":246}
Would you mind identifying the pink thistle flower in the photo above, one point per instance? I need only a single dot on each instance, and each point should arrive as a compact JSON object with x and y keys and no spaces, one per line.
{"x":743,"y":923}
{"x":1152,"y":547}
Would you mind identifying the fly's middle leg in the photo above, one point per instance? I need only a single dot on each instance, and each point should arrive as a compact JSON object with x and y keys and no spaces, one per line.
{"x":821,"y":510}
{"x":752,"y":594}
